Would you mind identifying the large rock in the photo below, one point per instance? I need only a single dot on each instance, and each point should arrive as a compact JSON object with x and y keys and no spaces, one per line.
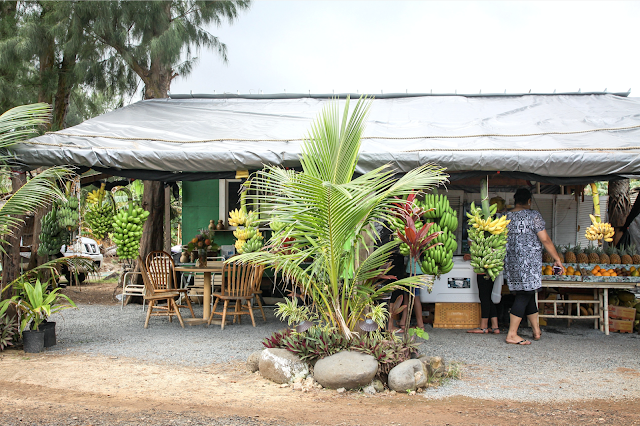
{"x":346,"y":369}
{"x":253,"y":362}
{"x":281,"y":366}
{"x":408,"y":376}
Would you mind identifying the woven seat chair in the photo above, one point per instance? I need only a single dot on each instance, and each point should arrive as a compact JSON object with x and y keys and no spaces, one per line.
{"x":162,"y":274}
{"x":153,"y":297}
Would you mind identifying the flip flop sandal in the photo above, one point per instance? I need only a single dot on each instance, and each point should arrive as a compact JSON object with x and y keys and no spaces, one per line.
{"x":495,"y":330}
{"x":521,"y":342}
{"x":479,"y":330}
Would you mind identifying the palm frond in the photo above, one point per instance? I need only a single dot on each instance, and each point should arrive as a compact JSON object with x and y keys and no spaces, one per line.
{"x":37,"y":193}
{"x":21,"y":122}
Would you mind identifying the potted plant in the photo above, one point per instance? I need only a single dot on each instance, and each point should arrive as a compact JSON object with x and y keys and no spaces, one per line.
{"x":34,"y":305}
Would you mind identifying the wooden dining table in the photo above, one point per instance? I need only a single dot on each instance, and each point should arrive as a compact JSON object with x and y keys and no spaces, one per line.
{"x":213,"y":267}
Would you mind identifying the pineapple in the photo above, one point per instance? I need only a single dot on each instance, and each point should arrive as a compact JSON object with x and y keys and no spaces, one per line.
{"x":581,"y":257}
{"x":560,"y":253}
{"x":569,"y":255}
{"x":614,"y":257}
{"x":591,"y":253}
{"x":624,"y":256}
{"x":635,"y":257}
{"x":604,"y":257}
{"x":546,"y":257}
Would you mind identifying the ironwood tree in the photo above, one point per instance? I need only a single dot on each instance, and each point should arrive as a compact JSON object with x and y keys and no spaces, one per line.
{"x":156,"y":39}
{"x":48,"y":55}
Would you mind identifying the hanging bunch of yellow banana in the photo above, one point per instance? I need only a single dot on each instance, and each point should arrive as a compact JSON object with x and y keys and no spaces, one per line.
{"x":249,"y":237}
{"x":599,"y":230}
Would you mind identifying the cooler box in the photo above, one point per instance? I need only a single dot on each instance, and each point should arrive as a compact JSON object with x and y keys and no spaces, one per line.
{"x":457,"y":286}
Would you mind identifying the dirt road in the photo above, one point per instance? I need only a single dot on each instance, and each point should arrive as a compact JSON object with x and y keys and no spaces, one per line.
{"x":77,"y":389}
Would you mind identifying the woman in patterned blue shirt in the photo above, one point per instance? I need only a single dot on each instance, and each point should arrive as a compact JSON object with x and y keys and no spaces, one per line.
{"x":523,"y":263}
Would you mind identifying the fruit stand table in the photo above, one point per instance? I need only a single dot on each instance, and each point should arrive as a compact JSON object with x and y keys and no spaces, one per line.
{"x":212,"y":267}
{"x":601,"y":305}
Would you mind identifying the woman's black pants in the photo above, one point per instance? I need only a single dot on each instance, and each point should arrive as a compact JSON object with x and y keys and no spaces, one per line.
{"x":485,"y":287}
{"x":524,"y":303}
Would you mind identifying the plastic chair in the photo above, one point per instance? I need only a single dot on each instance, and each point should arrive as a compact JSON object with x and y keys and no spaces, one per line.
{"x":238,"y":284}
{"x":162,"y":274}
{"x":131,"y":288}
{"x":153,"y":296}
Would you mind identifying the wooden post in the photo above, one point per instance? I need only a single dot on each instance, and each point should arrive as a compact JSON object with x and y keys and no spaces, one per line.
{"x":167,"y":219}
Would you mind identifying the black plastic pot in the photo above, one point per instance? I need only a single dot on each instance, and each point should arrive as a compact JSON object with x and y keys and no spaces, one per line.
{"x":33,"y":341}
{"x":49,"y":329}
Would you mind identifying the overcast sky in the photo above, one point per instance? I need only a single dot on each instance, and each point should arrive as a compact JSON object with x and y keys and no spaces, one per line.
{"x":369,"y":46}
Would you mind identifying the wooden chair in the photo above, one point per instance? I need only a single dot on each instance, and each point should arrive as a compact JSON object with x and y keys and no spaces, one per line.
{"x":162,"y":274}
{"x":152,"y":297}
{"x":238,"y":284}
{"x":257,"y":292}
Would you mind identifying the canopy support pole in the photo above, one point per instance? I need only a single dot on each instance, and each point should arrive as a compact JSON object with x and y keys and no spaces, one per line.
{"x":167,"y":219}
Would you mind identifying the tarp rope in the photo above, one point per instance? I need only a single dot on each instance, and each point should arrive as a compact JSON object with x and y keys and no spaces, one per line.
{"x":491,"y":135}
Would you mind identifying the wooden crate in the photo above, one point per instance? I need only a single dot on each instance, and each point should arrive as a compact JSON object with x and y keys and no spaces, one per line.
{"x":457,"y":315}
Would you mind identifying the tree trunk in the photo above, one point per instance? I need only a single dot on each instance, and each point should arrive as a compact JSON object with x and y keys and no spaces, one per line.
{"x":47,"y":58}
{"x":619,"y":203}
{"x":63,"y":93}
{"x":152,"y":233}
{"x":11,"y":260}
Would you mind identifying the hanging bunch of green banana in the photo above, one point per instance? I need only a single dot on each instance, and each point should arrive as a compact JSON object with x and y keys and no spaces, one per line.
{"x":52,"y":235}
{"x":439,"y":260}
{"x":99,"y":212}
{"x":488,"y":240}
{"x":127,"y":228}
{"x":68,"y":215}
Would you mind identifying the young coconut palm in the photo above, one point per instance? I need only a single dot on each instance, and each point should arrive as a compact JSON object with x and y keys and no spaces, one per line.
{"x":16,"y":125}
{"x":327,"y":213}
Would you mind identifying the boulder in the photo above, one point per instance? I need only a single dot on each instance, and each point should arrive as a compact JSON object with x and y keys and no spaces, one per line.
{"x":408,"y":376}
{"x":253,"y":362}
{"x":346,"y":369}
{"x":281,"y":366}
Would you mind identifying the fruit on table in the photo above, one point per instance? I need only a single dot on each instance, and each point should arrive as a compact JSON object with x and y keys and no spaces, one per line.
{"x":581,"y":256}
{"x":604,"y":257}
{"x":613,"y":255}
{"x":569,"y":255}
{"x":591,"y":254}
{"x":625,"y":258}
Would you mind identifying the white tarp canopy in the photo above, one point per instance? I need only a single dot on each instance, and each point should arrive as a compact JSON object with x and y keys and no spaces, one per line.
{"x":560,"y":135}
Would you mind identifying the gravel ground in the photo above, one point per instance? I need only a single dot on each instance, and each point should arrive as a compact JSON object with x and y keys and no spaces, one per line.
{"x":108,"y":330}
{"x":556,"y":368}
{"x":567,"y":364}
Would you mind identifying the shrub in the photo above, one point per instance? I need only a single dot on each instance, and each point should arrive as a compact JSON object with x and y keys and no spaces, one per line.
{"x":8,"y":329}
